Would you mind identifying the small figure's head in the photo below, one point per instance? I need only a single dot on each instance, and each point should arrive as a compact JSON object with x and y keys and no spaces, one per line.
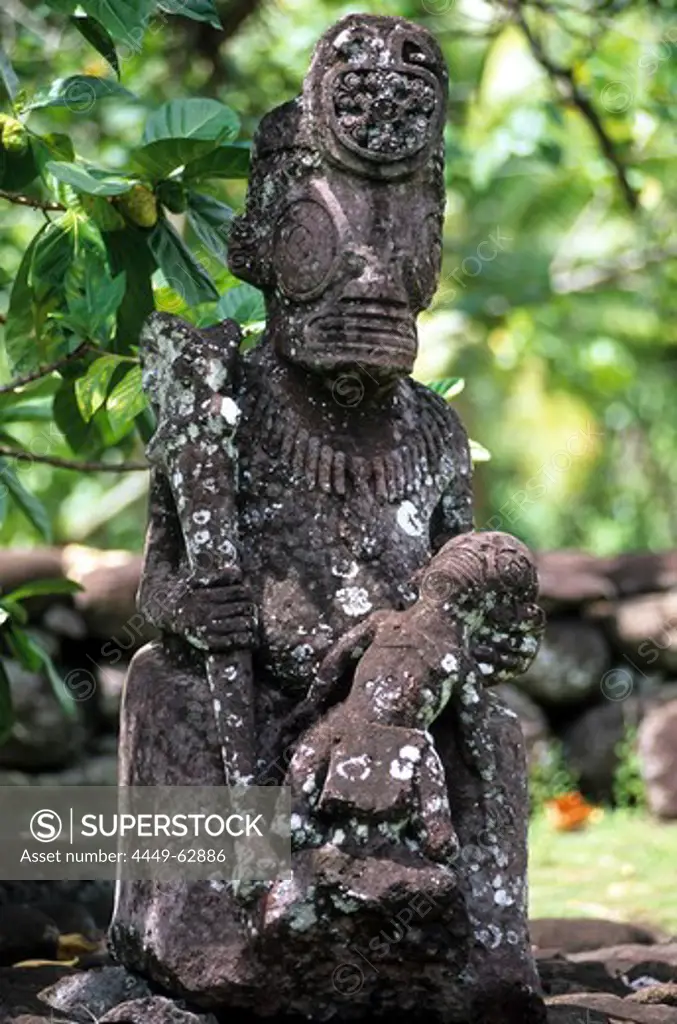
{"x":481,"y":565}
{"x":488,"y":581}
{"x":343,"y":225}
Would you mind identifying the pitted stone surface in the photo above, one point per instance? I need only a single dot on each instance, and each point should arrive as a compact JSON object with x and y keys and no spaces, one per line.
{"x":327,"y":615}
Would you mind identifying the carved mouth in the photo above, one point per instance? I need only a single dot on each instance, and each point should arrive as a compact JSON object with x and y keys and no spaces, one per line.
{"x":372,"y":334}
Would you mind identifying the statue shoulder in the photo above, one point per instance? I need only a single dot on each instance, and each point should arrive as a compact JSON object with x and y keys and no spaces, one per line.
{"x":226,"y":336}
{"x":180,"y":349}
{"x":434,"y":413}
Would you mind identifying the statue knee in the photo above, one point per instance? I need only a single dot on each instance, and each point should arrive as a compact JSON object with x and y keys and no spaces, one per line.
{"x":148,"y":670}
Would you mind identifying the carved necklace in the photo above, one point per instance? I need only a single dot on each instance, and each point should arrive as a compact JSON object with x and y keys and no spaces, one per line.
{"x":388,"y":477}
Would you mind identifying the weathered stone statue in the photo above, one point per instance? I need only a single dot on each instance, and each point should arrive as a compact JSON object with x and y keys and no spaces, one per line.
{"x":299,"y":494}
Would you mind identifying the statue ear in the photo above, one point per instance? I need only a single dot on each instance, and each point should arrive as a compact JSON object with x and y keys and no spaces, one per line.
{"x":249,"y":255}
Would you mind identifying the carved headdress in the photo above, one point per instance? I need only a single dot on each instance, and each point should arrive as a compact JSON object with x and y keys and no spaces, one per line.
{"x":373,"y":106}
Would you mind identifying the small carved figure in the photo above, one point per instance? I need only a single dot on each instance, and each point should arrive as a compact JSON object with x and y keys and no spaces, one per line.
{"x":407,"y":666}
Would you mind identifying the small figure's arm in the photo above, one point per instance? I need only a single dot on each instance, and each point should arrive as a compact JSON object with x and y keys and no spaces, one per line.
{"x":342,"y":657}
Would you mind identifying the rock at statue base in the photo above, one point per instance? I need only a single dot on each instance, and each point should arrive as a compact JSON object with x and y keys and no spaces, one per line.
{"x":362,"y":938}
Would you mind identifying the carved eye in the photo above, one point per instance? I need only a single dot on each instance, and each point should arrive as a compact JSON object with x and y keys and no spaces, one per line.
{"x":306,"y":249}
{"x":414,"y":53}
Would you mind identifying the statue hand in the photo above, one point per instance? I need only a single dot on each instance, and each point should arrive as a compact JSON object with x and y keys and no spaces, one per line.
{"x":512,"y":647}
{"x":219,"y":618}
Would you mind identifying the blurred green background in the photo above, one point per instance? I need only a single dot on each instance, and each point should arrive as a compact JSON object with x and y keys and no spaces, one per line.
{"x":559,"y":291}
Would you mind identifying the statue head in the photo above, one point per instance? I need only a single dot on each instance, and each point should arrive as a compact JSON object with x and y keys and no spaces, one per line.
{"x":343,"y":224}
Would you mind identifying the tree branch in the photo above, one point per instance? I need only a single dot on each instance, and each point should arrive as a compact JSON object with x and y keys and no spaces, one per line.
{"x":83,"y":467}
{"x":586,"y":278}
{"x":44,"y":371}
{"x":209,"y":42}
{"x":22,"y":200}
{"x":565,"y":79}
{"x":235,"y":14}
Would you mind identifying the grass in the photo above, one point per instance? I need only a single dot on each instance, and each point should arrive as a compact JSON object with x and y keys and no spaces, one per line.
{"x":623,"y":867}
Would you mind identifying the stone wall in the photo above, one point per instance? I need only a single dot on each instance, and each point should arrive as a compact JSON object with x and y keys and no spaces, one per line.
{"x":609,"y":661}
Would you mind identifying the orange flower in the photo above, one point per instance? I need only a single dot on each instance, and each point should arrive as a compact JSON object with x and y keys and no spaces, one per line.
{"x":569,"y":812}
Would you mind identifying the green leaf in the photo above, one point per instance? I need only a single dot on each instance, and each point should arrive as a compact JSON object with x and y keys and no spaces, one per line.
{"x":182,"y":131}
{"x":21,"y":344}
{"x":47,"y":148}
{"x":128,"y":251}
{"x":8,"y":75}
{"x":43,"y":388}
{"x":99,"y":37}
{"x":478,"y":453}
{"x":69,"y":270}
{"x":91,"y":390}
{"x":448,"y":387}
{"x":3,"y":505}
{"x":172,"y":194}
{"x":63,"y":6}
{"x":61,"y":691}
{"x":31,"y":339}
{"x":203,"y":119}
{"x":64,"y":244}
{"x":182,"y":271}
{"x":126,"y":401}
{"x":231,"y":162}
{"x":146,"y":424}
{"x":92,"y":180}
{"x":103,"y":213}
{"x":32,"y":656}
{"x":82,"y":436}
{"x":197,"y":10}
{"x":122,"y":18}
{"x":243,"y":303}
{"x":11,"y":610}
{"x":6,"y":709}
{"x":92,"y":299}
{"x":78,"y":92}
{"x":26,"y":413}
{"x":53,"y":255}
{"x":40,"y":588}
{"x":18,"y":169}
{"x":31,"y":507}
{"x":23,"y":648}
{"x":210,"y":219}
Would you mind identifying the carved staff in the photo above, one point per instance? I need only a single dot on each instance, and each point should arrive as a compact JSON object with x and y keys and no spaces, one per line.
{"x":186,"y":378}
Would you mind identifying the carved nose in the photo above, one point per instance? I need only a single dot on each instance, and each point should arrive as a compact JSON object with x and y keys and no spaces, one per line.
{"x":376,"y":280}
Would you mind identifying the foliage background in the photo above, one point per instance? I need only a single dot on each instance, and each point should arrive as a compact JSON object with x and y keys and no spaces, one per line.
{"x":559,"y":144}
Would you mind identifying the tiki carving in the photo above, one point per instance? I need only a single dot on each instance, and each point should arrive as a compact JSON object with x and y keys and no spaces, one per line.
{"x":329,"y":619}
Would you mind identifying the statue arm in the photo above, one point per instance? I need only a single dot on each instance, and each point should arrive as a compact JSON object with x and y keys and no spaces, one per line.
{"x":216,"y":615}
{"x":454,"y":512}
